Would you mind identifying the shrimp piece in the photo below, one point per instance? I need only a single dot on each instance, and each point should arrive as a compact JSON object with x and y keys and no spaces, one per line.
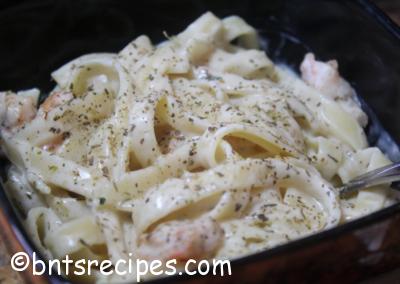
{"x":54,"y":100}
{"x":55,"y":142}
{"x":182,"y":240}
{"x":18,"y":109}
{"x":325,"y":77}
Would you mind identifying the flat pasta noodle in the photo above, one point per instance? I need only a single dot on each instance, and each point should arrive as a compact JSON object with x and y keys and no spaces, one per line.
{"x":136,"y":154}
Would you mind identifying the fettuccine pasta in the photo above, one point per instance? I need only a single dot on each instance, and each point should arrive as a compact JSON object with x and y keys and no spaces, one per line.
{"x":198,"y":147}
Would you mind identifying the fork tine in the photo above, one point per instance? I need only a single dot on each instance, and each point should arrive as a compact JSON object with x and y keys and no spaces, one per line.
{"x":383,"y":175}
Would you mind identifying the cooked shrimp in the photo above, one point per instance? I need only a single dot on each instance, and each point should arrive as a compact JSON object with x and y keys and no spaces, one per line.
{"x":17,"y":109}
{"x":322,"y":76}
{"x":325,"y":77}
{"x":182,"y":240}
{"x":54,"y":100}
{"x":55,"y":142}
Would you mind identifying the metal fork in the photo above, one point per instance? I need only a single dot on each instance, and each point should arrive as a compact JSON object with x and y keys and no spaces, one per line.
{"x":384,"y":175}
